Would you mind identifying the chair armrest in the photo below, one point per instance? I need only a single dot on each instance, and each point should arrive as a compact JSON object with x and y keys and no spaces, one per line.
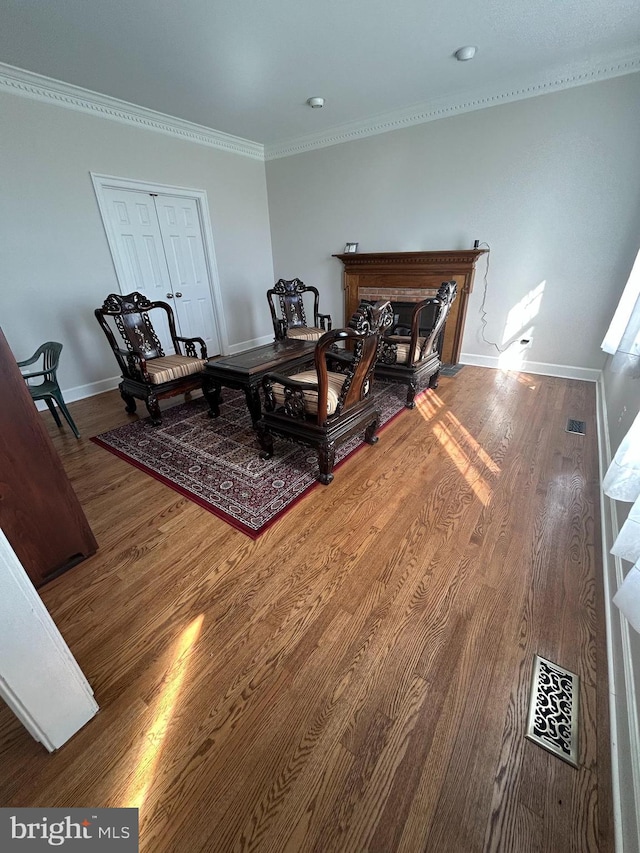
{"x":190,"y":347}
{"x":35,"y":373}
{"x":288,"y":382}
{"x":137,"y":356}
{"x":321,"y":319}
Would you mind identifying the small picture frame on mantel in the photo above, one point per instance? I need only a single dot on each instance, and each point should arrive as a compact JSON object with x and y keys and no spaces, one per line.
{"x":351,"y":247}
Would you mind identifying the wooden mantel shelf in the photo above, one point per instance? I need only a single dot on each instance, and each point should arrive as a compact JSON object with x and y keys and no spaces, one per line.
{"x":383,"y":273}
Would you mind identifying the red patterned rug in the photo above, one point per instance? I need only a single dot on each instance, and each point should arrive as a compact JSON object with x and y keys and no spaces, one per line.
{"x":215,"y":461}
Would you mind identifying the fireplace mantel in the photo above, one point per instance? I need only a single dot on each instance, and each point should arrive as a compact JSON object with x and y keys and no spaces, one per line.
{"x":411,"y":276}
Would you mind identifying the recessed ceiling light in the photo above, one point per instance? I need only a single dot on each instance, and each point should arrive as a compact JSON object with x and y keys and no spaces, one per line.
{"x":315,"y":103}
{"x":463,"y":54}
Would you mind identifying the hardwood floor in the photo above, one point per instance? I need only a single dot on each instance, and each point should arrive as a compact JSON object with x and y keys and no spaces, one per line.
{"x":357,"y":679}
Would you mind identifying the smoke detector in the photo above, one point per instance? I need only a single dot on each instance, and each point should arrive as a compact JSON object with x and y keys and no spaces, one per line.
{"x":316,"y":103}
{"x":464,"y":54}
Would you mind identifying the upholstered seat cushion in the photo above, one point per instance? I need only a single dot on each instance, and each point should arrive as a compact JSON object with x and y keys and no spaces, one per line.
{"x":402,"y":345}
{"x":170,"y":367}
{"x":336,"y":381}
{"x":305,"y":333}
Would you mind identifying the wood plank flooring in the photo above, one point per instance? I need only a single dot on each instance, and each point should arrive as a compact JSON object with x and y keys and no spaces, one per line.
{"x":357,"y":679}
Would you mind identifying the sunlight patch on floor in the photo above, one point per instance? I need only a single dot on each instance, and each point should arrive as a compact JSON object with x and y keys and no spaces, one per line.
{"x":526,"y":379}
{"x":154,"y":738}
{"x":469,"y":457}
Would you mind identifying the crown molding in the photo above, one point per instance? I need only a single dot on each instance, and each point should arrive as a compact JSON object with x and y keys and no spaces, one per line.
{"x":27,"y":84}
{"x":565,"y":78}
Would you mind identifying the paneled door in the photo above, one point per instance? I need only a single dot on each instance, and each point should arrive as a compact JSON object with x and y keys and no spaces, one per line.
{"x":157,"y":245}
{"x":184,"y":253}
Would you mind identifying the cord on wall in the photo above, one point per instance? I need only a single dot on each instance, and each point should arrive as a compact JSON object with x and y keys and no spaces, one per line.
{"x":483,"y":313}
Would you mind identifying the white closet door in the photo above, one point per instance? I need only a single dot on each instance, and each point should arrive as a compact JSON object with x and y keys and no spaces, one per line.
{"x":138,"y":252}
{"x":184,"y":250}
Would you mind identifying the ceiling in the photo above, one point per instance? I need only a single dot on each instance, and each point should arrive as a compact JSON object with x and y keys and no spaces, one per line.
{"x":247,"y":67}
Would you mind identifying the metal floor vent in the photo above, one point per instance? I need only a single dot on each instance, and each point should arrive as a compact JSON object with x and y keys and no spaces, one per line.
{"x":575,"y":426}
{"x":451,"y":369}
{"x":553,"y":710}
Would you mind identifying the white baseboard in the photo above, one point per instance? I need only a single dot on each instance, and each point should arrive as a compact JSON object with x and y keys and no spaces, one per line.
{"x":563,"y":371}
{"x":81,"y":392}
{"x":255,"y":342}
{"x":623,"y":702}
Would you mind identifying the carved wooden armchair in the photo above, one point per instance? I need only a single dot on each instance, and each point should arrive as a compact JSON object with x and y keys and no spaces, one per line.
{"x":413,"y":358}
{"x":147,"y":373}
{"x":325,"y":406}
{"x":292,"y":322}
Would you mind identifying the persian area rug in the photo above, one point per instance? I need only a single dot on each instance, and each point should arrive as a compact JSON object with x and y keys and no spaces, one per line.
{"x":215,"y":461}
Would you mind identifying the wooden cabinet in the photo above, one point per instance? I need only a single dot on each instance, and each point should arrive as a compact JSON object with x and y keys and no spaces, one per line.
{"x":413,"y":276}
{"x":39,"y":512}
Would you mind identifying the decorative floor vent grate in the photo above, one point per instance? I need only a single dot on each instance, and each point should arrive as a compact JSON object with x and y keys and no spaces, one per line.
{"x":553,"y":710}
{"x":575,"y":426}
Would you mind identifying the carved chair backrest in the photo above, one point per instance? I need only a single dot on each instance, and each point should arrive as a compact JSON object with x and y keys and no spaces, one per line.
{"x":289,"y":295}
{"x":442,"y":302}
{"x":364,"y":336}
{"x":427,"y":326}
{"x":130,"y":315}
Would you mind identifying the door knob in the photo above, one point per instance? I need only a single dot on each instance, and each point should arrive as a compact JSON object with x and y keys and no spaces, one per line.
{"x":169,"y":295}
{"x":178,"y":294}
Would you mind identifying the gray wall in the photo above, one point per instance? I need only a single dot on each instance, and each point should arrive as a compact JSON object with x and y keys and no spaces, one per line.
{"x":551,"y":183}
{"x":55,"y":265}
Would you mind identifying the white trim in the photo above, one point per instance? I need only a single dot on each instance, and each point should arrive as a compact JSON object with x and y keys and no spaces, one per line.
{"x":604,"y":454}
{"x":623,"y":702}
{"x":40,"y":679}
{"x":102,"y":182}
{"x":254,"y":342}
{"x":27,"y":84}
{"x":81,"y":392}
{"x":563,"y":371}
{"x":450,"y":105}
{"x":18,"y":81}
